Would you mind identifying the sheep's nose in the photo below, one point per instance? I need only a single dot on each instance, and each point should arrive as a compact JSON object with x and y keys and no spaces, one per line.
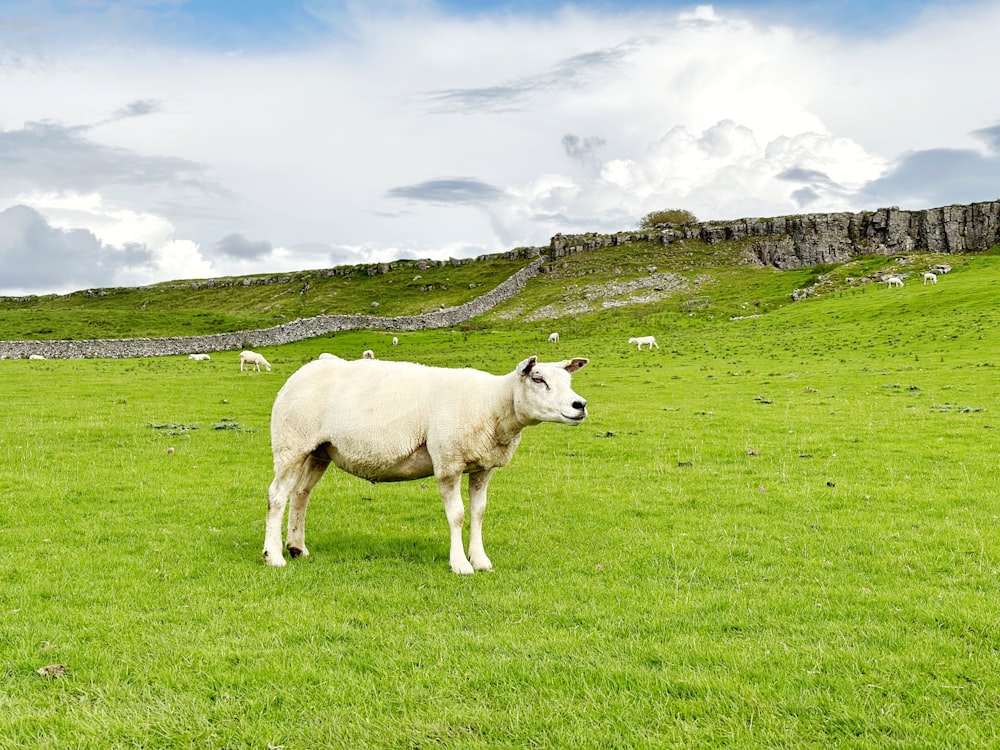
{"x":580,"y":405}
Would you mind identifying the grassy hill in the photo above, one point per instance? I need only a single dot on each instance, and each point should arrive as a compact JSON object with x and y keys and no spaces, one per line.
{"x":195,"y":307}
{"x":661,"y":284}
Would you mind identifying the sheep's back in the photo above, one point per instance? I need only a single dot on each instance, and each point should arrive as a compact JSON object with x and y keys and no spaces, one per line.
{"x":374,"y":410}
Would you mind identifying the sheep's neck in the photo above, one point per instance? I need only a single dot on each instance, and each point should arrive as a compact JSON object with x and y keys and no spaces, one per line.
{"x":508,"y":425}
{"x":507,"y":430}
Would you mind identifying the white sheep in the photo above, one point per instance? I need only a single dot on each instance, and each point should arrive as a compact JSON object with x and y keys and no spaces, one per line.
{"x":367,"y":354}
{"x":393,"y":421}
{"x":327,"y":355}
{"x":640,"y":340}
{"x":199,"y":357}
{"x":255,"y":359}
{"x":36,"y":356}
{"x":553,"y":338}
{"x":894,"y":280}
{"x":930,"y":277}
{"x":395,"y":341}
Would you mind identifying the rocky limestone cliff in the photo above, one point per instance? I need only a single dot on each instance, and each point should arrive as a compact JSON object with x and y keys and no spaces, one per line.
{"x":811,"y":239}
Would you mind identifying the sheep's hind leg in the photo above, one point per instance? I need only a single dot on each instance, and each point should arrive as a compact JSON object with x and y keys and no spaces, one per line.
{"x":312,"y":472}
{"x":451,"y":493}
{"x":285,"y":480}
{"x":478,"y":482}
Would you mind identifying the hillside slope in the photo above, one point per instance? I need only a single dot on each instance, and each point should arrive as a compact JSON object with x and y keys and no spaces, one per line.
{"x":682,"y":279}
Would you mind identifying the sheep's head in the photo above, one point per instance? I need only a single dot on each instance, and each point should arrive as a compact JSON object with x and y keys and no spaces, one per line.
{"x":544,"y":392}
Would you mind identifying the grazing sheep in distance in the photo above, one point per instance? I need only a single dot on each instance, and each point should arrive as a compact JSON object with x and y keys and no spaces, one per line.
{"x":395,"y":341}
{"x":941,"y":268}
{"x":553,"y":338}
{"x":930,"y":278}
{"x":640,"y":340}
{"x":199,"y":357}
{"x":327,"y":355}
{"x":367,"y":354}
{"x":394,"y":421}
{"x":893,"y":280}
{"x":36,"y":356}
{"x":255,"y":359}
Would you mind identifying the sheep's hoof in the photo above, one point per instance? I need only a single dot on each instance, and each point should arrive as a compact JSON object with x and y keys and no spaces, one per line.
{"x":482,"y":565}
{"x":275,"y":562}
{"x":463,"y":568}
{"x":298,"y":552}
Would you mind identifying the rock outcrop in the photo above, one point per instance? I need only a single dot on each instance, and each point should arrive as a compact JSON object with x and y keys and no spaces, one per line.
{"x":811,"y":239}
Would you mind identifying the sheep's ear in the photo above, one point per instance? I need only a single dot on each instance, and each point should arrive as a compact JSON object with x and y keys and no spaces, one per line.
{"x":525,"y":367}
{"x":575,"y":364}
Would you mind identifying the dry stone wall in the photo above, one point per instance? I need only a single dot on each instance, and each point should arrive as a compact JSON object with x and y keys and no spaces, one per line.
{"x":296,"y":330}
{"x":369,"y":269}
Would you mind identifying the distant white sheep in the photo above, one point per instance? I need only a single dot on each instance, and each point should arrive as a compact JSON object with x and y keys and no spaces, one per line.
{"x":393,"y":421}
{"x":930,"y":278}
{"x":641,"y":340}
{"x":199,"y":357}
{"x":367,"y":354}
{"x":327,"y":355}
{"x":255,"y":359}
{"x":553,"y":338}
{"x":36,"y":356}
{"x":395,"y":341}
{"x":894,"y":280}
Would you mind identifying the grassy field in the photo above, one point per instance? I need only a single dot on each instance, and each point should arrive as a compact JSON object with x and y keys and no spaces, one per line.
{"x":774,"y":532}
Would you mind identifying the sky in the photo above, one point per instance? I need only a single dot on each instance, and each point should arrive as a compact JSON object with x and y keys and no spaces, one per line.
{"x":152,"y":140}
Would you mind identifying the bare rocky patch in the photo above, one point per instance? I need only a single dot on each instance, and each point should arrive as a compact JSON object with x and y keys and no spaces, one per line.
{"x":605,"y":296}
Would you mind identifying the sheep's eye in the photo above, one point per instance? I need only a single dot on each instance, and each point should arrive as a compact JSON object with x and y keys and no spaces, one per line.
{"x":538,"y":379}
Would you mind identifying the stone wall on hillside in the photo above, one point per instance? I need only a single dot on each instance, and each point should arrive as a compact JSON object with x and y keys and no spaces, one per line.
{"x":368,"y":269}
{"x":811,"y":239}
{"x":296,"y":330}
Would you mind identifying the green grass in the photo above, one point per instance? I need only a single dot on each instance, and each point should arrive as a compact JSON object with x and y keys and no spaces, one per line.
{"x":775,"y":532}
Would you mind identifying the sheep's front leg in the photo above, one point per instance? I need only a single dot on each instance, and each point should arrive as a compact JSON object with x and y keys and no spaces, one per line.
{"x":450,"y":486}
{"x":478,"y":483}
{"x":312,"y":472}
{"x":285,"y":479}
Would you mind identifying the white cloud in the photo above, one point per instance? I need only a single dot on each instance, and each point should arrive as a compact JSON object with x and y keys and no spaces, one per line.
{"x":722,"y":171}
{"x":115,"y":226}
{"x":174,"y":259}
{"x":701,"y":14}
{"x":34,"y":254}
